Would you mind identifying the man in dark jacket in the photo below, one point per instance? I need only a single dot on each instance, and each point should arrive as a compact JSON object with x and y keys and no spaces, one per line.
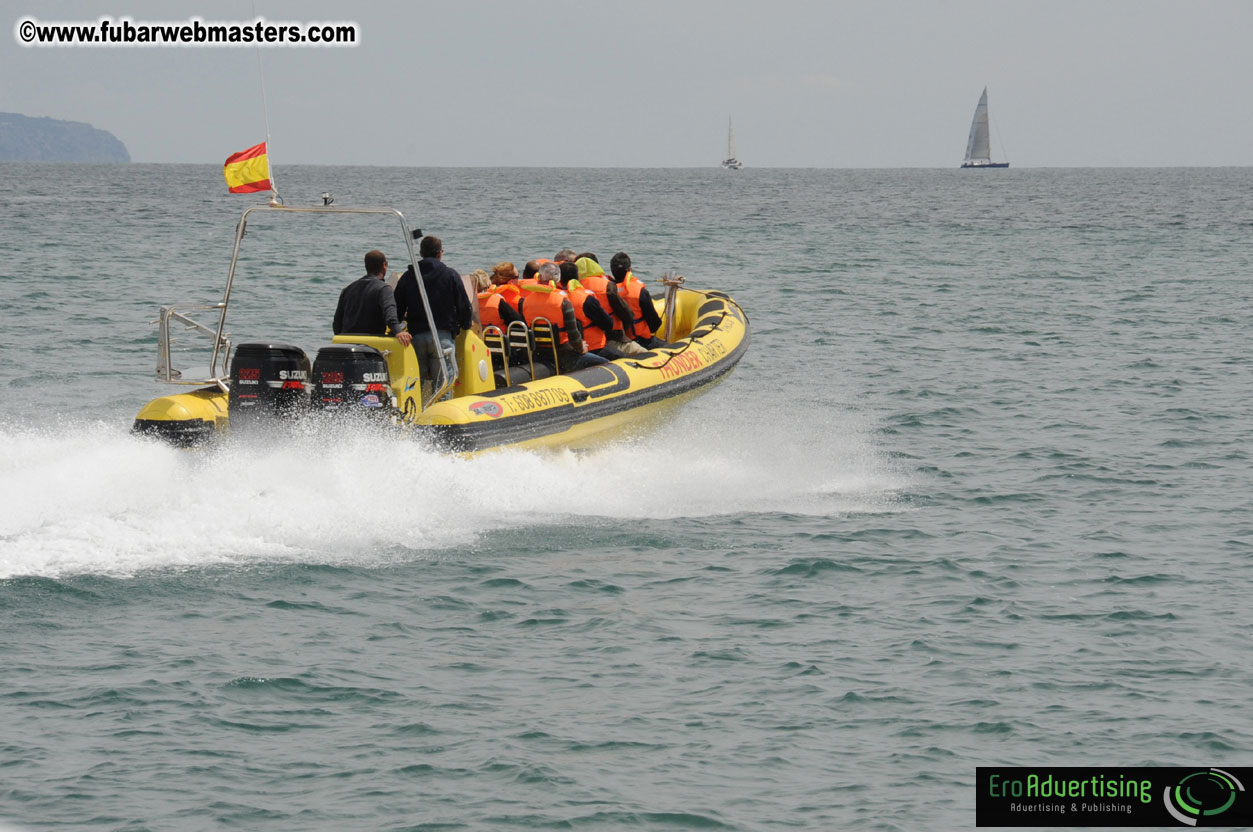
{"x":366,"y":306}
{"x":450,"y":308}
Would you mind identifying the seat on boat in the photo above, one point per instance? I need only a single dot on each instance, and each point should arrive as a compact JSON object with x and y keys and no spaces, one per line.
{"x":545,"y":336}
{"x":513,"y":352}
{"x":497,"y":347}
{"x":520,"y":375}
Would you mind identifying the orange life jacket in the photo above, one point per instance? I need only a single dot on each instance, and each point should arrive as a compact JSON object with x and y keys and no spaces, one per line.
{"x":489,"y":303}
{"x":599,"y":285}
{"x":544,"y":301}
{"x":592,"y":334}
{"x":489,"y":310}
{"x":629,"y":289}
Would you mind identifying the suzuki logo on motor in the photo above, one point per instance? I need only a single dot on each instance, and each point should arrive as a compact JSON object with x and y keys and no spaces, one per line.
{"x":374,"y":376}
{"x":294,"y":375}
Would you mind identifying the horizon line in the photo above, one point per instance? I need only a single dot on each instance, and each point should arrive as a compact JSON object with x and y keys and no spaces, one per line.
{"x":957,"y":166}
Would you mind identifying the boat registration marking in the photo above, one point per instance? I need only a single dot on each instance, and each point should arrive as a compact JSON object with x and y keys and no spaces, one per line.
{"x":536,"y":399}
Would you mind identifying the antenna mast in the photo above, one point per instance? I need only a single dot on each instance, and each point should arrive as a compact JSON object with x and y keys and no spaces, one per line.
{"x":265,"y":107}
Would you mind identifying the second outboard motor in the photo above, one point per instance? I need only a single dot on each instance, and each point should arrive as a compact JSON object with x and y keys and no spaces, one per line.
{"x":352,"y":378}
{"x":268,"y":382}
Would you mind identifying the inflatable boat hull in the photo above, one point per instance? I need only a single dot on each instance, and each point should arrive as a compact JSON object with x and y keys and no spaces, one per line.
{"x":574,"y":410}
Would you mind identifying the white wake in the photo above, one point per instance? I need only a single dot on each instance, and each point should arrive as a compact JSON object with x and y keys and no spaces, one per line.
{"x":89,"y":498}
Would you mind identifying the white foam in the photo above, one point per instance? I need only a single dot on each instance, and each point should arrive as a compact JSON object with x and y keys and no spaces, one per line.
{"x":89,"y":498}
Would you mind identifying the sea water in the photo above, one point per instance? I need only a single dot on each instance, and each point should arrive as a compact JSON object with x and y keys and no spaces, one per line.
{"x":979,"y":494}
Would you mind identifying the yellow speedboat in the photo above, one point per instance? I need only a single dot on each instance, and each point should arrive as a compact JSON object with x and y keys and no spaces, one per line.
{"x":378,"y":380}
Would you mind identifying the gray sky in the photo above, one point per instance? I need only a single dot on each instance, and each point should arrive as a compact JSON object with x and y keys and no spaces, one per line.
{"x":860,"y":84}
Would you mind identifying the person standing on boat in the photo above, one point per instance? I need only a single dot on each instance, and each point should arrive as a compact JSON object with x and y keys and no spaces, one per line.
{"x":544,"y":299}
{"x":635,"y":293}
{"x":450,"y":308}
{"x":367,"y":306}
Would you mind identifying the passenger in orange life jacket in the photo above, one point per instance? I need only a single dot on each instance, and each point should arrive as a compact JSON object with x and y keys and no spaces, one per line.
{"x":593,"y":318}
{"x":506,"y":280}
{"x":592,"y":277}
{"x":635,"y":293}
{"x":498,"y":296}
{"x":545,"y":300}
{"x":503,"y":273}
{"x":498,"y":304}
{"x":480,"y":280}
{"x":530,"y":272}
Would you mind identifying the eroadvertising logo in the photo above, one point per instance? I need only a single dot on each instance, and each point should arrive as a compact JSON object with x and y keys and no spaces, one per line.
{"x":1113,"y":796}
{"x":1202,"y":795}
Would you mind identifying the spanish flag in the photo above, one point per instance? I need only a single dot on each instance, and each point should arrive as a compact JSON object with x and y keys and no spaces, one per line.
{"x":248,"y":171}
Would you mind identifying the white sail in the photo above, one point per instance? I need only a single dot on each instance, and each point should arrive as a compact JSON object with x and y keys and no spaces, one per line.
{"x":977,"y":148}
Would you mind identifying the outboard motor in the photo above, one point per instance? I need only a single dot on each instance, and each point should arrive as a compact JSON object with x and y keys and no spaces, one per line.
{"x":351,"y":378}
{"x":268,"y":382}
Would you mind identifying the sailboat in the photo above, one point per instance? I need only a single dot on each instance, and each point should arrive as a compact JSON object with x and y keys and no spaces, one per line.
{"x":978,"y":154}
{"x":731,"y":163}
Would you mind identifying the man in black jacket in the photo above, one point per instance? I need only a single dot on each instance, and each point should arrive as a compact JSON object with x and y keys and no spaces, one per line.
{"x":366,"y":306}
{"x":450,"y":307}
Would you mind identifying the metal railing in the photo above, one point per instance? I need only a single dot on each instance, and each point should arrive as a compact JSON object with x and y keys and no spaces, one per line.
{"x":219,"y":335}
{"x":494,"y":340}
{"x":518,"y":337}
{"x":166,"y":371}
{"x":336,"y":209}
{"x":545,"y":335}
{"x":672,"y":282}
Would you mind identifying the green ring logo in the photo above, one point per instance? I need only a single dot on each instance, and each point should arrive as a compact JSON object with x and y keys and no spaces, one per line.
{"x":1203,"y":794}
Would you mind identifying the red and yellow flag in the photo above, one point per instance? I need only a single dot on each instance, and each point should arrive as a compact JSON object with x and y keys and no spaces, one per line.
{"x":248,"y":171}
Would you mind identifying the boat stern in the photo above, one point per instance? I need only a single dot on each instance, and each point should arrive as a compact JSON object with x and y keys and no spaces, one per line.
{"x":184,"y":419}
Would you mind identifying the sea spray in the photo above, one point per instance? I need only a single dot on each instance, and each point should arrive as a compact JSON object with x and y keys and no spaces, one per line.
{"x":91,"y":498}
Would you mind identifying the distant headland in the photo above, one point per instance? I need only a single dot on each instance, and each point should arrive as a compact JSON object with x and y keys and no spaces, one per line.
{"x":26,"y":139}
